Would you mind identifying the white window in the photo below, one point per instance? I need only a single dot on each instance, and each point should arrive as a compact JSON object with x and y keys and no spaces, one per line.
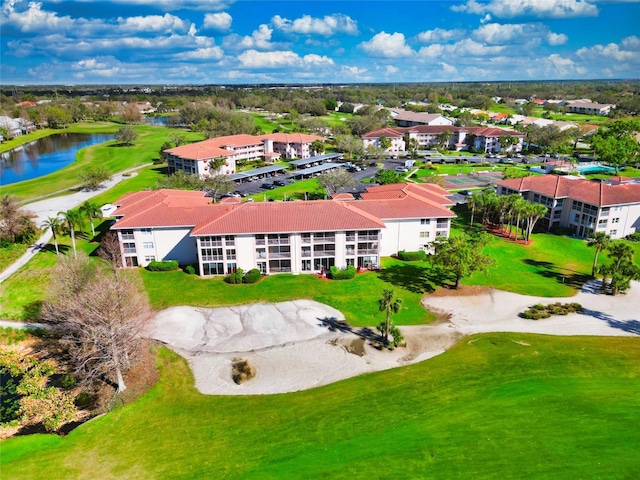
{"x":425,"y":221}
{"x":615,"y":220}
{"x":147,"y":245}
{"x":613,"y":232}
{"x":145,"y":231}
{"x":424,"y":234}
{"x":149,"y":258}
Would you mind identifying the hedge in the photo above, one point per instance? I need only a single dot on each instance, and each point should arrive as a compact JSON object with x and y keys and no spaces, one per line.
{"x":162,"y":266}
{"x":420,"y":255}
{"x":235,"y":277}
{"x":252,"y":276}
{"x":342,"y":274}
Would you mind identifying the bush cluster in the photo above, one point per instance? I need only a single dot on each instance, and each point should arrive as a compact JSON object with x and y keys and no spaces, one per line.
{"x":234,"y":277}
{"x":420,"y":255}
{"x":634,"y":237}
{"x":189,"y":270}
{"x":342,"y":273}
{"x":162,"y":266}
{"x":252,"y":276}
{"x":539,"y":311}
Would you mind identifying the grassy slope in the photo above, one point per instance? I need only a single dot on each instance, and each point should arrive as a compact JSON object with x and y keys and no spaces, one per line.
{"x":489,"y":408}
{"x":116,"y":158}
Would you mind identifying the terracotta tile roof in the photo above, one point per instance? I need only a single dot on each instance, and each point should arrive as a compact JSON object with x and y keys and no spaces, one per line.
{"x":166,"y":208}
{"x":556,"y":186}
{"x":342,"y":196}
{"x":282,"y":217}
{"x":431,"y":192}
{"x":214,"y":147}
{"x":292,"y":137}
{"x":385,"y":132}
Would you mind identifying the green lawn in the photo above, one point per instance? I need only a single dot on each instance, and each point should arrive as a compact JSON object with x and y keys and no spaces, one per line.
{"x":356,"y":299}
{"x":296,"y":189}
{"x":115,"y":157}
{"x":547,"y":407}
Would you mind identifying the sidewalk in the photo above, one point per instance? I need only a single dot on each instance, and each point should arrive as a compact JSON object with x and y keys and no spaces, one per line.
{"x":50,"y":207}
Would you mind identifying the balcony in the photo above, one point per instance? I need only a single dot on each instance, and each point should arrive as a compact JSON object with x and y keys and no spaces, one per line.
{"x":129,"y":250}
{"x":128,"y":236}
{"x":351,"y":238}
{"x":280,"y":255}
{"x":280,"y":270}
{"x":211,"y":243}
{"x":367,"y":251}
{"x":331,"y":239}
{"x":278,"y":241}
{"x":363,"y":238}
{"x":260,"y":241}
{"x":306,"y":254}
{"x":212,"y":258}
{"x":324,"y":253}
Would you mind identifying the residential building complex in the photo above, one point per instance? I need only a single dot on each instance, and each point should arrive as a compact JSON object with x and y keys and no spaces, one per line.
{"x":294,"y":237}
{"x":582,"y":206}
{"x":406,"y":118}
{"x":486,"y":139}
{"x":195,"y":157}
{"x":589,"y":108}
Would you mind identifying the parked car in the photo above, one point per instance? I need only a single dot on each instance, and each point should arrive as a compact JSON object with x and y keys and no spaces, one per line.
{"x":402,"y":169}
{"x":230,"y":195}
{"x":353,"y":169}
{"x":238,"y":193}
{"x":280,"y":183}
{"x":267,"y":186}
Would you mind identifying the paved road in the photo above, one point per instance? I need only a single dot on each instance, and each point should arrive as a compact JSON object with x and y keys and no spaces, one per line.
{"x":50,"y":207}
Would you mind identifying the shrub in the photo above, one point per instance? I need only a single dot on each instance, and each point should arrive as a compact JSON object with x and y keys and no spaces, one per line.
{"x":342,"y":273}
{"x":419,"y":255}
{"x":252,"y":276}
{"x":67,"y":381}
{"x":189,"y":270}
{"x":162,"y":266}
{"x":234,"y":277}
{"x":538,"y":311}
{"x":634,"y":237}
{"x":242,"y":371}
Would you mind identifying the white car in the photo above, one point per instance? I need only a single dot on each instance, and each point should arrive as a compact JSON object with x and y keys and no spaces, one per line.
{"x":402,"y":169}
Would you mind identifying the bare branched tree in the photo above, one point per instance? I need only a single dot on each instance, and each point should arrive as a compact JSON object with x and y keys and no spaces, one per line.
{"x":101,"y":319}
{"x":109,"y":250}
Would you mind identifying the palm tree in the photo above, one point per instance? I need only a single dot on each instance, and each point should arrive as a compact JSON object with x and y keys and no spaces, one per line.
{"x":91,"y":211}
{"x":74,"y":220}
{"x":600,"y":241}
{"x":389,"y":305}
{"x":55,"y":224}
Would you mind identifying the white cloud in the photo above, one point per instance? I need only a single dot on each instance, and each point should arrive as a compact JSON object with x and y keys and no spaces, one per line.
{"x":34,"y":19}
{"x":281,"y":58}
{"x":217,"y":21}
{"x":260,"y":38}
{"x":154,"y":23}
{"x":354,"y":73}
{"x":173,"y":5}
{"x":448,"y":69}
{"x":627,"y":52}
{"x":439,"y":35}
{"x":390,"y":69}
{"x":496,"y":33}
{"x":387,"y":45}
{"x":209,"y":53}
{"x":537,"y":8}
{"x":308,"y":25}
{"x":556,"y":38}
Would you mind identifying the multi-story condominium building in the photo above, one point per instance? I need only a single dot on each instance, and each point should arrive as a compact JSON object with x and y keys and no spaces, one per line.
{"x":195,"y":157}
{"x":486,"y":139}
{"x":406,"y":118}
{"x":582,"y":206}
{"x":275,"y":237}
{"x":589,"y":108}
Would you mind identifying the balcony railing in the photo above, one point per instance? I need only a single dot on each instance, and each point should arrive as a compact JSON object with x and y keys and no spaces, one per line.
{"x":324,"y":253}
{"x":211,"y":243}
{"x":351,"y":238}
{"x":280,"y":255}
{"x":278,"y":241}
{"x":128,"y":236}
{"x":306,"y":254}
{"x":260,"y":241}
{"x":362,"y":238}
{"x":365,"y":251}
{"x":129,"y":250}
{"x":280,"y":269}
{"x":212,"y":258}
{"x":331,"y":239}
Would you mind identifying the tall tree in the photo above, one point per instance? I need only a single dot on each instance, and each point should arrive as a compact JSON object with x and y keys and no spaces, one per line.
{"x":616,"y":144}
{"x":318,"y":146}
{"x":54,"y":224}
{"x":90,"y":211}
{"x":599,"y":241}
{"x":73,"y":219}
{"x":390,"y":305}
{"x":532,"y":213}
{"x":334,"y":180}
{"x":622,"y":270}
{"x":463,"y":255}
{"x":218,"y":184}
{"x":101,"y":317}
{"x":215,"y":164}
{"x":385,"y":143}
{"x":16,"y":224}
{"x":127,"y":135}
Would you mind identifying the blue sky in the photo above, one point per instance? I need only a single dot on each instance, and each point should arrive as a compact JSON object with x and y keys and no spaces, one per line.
{"x":256,"y":41}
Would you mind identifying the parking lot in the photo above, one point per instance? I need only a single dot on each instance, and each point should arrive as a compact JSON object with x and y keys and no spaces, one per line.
{"x":278,"y":179}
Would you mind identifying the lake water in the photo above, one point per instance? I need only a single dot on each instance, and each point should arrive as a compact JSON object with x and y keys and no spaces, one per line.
{"x":45,"y":155}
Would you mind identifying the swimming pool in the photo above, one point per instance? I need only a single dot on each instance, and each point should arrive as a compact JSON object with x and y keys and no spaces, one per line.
{"x":596,"y":169}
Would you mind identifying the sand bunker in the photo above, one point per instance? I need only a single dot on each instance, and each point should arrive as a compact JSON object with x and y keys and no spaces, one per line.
{"x":293,"y":347}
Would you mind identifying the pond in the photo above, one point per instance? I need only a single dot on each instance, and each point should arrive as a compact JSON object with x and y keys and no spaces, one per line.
{"x":45,"y":155}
